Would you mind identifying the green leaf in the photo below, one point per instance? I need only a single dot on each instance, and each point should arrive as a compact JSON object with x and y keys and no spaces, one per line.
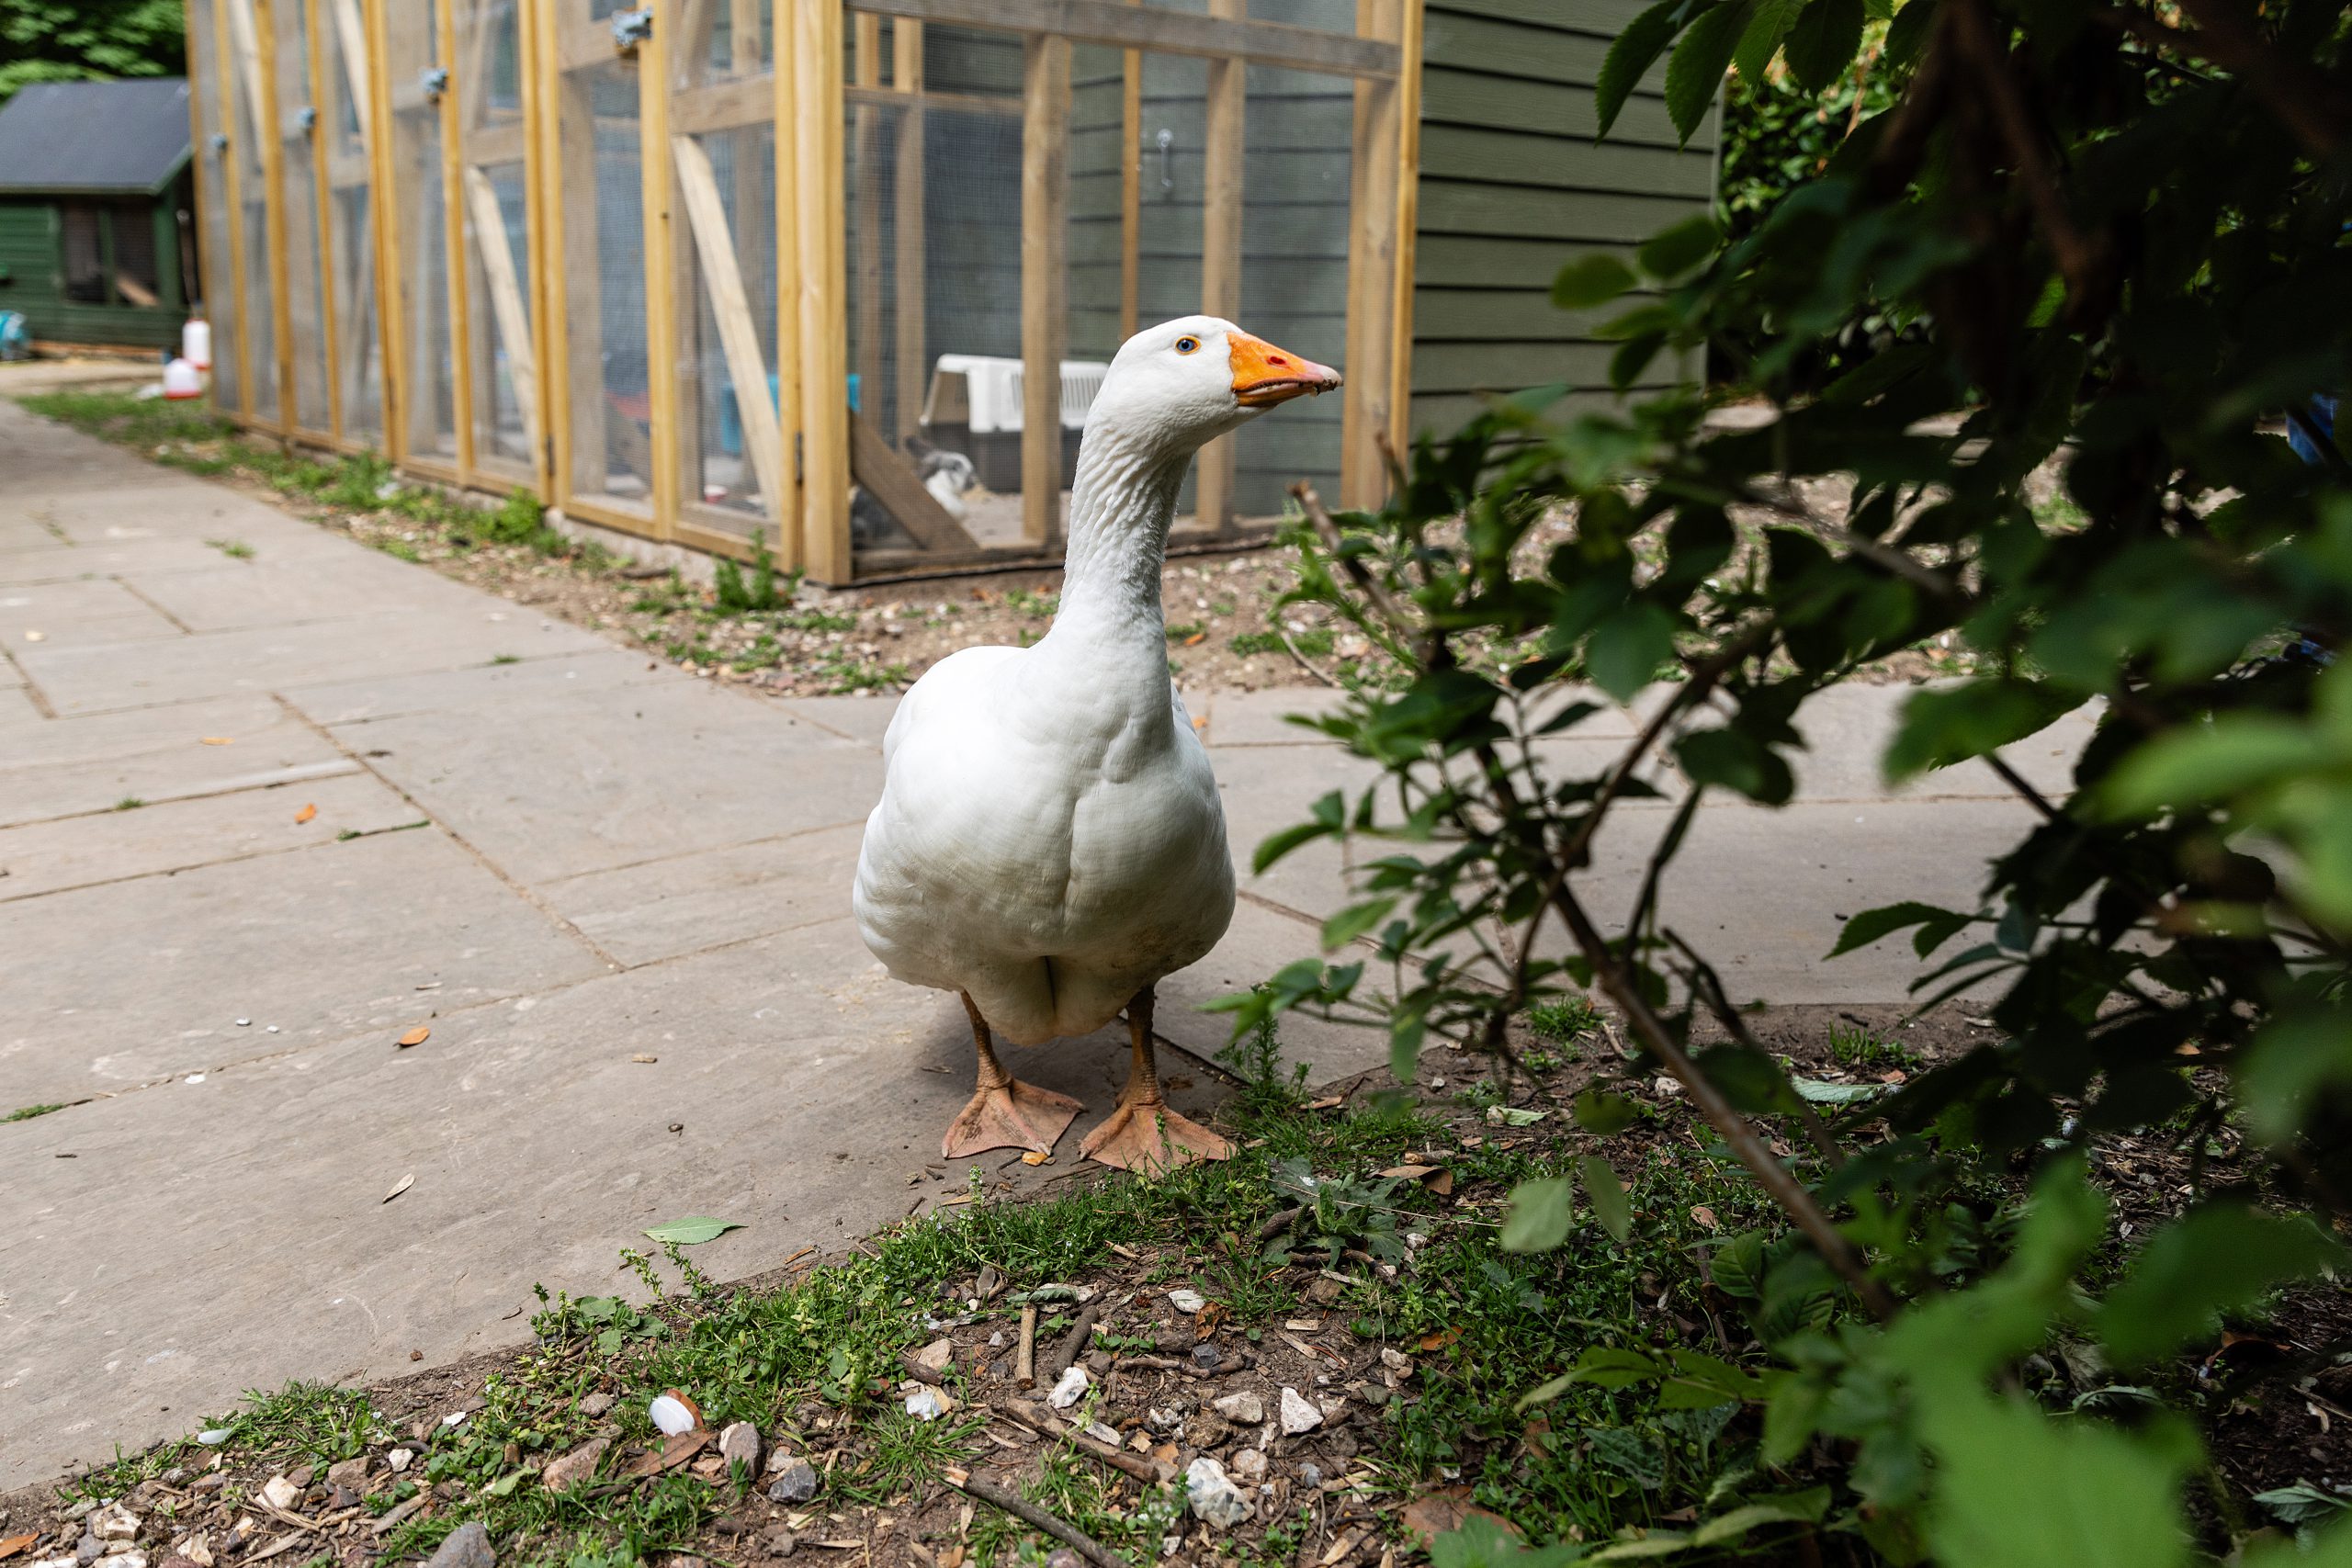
{"x":1737,"y":1267}
{"x":1609,"y":1204}
{"x":1590,"y":281}
{"x":2220,"y":1257}
{"x":1822,"y":42}
{"x":694,"y":1230}
{"x":1907,"y":34}
{"x":1603,"y":1366}
{"x":1762,"y":38}
{"x":1625,"y":649}
{"x":2195,"y":764}
{"x":1597,"y":1111}
{"x":504,"y":1486}
{"x":1629,"y":57}
{"x":1887,"y":919}
{"x":2289,"y":1061}
{"x":1540,"y":1212}
{"x":1671,"y":251}
{"x":2019,"y":1490}
{"x":1277,"y":845}
{"x":1942,"y":727}
{"x":1352,"y":922}
{"x":1820,"y":1093}
{"x":1700,"y":56}
{"x":1793,"y":1508}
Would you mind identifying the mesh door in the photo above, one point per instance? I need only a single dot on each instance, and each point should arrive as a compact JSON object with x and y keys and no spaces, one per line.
{"x":602,"y":203}
{"x":420,"y":198}
{"x":350,"y":226}
{"x":215,"y":155}
{"x":734,"y":456}
{"x":493,"y":141}
{"x":299,"y":192}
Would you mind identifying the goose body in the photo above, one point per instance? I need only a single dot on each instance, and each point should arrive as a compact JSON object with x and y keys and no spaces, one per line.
{"x":1049,"y":841}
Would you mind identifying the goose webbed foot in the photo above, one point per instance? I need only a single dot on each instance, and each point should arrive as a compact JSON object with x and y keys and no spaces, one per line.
{"x":1009,"y":1115}
{"x":1003,"y":1113}
{"x":1143,"y":1135}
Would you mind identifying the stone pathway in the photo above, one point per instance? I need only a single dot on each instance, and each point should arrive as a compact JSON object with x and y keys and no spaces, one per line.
{"x":372,"y":799}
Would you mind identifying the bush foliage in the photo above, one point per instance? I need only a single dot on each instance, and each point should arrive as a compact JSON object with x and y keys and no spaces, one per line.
{"x":2099,"y":248}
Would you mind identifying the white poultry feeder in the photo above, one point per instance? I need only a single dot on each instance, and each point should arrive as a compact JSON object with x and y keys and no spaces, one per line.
{"x":974,"y":406}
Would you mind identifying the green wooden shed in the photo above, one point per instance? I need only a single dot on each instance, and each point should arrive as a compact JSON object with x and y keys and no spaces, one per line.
{"x":96,"y":211}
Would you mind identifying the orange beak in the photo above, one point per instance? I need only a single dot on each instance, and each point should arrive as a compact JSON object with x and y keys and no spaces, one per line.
{"x":1264,"y":375}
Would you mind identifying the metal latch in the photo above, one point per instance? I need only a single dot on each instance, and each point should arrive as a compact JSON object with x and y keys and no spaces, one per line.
{"x":632,"y":27}
{"x":220,"y":141}
{"x":433,"y":83}
{"x":1165,"y":142}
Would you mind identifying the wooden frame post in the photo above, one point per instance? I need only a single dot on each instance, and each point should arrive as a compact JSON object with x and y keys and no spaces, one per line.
{"x":660,"y":278}
{"x":908,"y":287}
{"x":534,"y":57}
{"x":791,"y":547}
{"x":259,"y":22}
{"x":1044,"y":279}
{"x":452,"y":234}
{"x":1408,"y":186}
{"x":1221,"y":214}
{"x":739,"y":336}
{"x":322,"y":214}
{"x":816,"y":27}
{"x":865,"y":30}
{"x":226,"y":77}
{"x":1372,"y":264}
{"x":383,"y":197}
{"x":1130,"y":189}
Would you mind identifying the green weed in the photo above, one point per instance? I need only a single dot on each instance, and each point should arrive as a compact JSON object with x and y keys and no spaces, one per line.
{"x":235,"y":549}
{"x":27,"y":1112}
{"x":129,"y":803}
{"x":1566,"y":1020}
{"x":1864,"y":1050}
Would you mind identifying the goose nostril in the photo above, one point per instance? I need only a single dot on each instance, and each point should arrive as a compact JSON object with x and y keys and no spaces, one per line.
{"x":1276,"y":359}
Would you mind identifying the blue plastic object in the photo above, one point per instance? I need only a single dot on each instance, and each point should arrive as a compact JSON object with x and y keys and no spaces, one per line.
{"x":15,"y":338}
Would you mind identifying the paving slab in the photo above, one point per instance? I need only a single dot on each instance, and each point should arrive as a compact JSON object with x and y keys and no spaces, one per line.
{"x":77,"y":614}
{"x":347,"y":586}
{"x":170,"y":837}
{"x":286,"y":657}
{"x":55,"y":767}
{"x":601,"y":669}
{"x":553,"y":787}
{"x":124,"y":984}
{"x":705,"y":898}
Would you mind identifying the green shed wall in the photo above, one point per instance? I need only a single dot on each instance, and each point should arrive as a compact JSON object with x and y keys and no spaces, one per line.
{"x":30,"y":229}
{"x":1512,"y":185}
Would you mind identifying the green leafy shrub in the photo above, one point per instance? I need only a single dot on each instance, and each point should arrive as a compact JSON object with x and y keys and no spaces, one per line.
{"x":2102,"y":245}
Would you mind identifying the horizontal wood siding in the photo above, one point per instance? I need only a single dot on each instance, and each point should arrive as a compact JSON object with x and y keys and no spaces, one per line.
{"x":35,"y":286}
{"x":1512,"y":185}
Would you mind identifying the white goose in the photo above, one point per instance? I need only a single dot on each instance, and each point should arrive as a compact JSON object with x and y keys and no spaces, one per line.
{"x":1049,"y":842}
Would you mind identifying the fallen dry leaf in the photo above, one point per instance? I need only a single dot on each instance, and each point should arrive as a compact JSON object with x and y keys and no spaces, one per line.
{"x":1408,"y":1172}
{"x":217,"y":740}
{"x":1440,"y":1339}
{"x":418,"y":1036}
{"x":36,"y":637}
{"x":673,"y":1452}
{"x":305,"y":815}
{"x":13,"y":1544}
{"x":1196,"y":639}
{"x":645,"y":1057}
{"x":1705,"y":1216}
{"x":1437,"y":1512}
{"x":1032,"y":1156}
{"x":402,"y":1185}
{"x":1202,"y":723}
{"x":1329,"y":1102}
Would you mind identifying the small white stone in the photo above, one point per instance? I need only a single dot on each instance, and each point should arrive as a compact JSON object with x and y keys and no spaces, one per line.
{"x":936,"y":1356}
{"x":398,"y":1460}
{"x":1243,"y":1409}
{"x":1395,"y":1361}
{"x":1249,"y":1466}
{"x":1071,"y":1389}
{"x":115,"y":1522}
{"x":927,"y":1404}
{"x":1186,"y":1300}
{"x":280,"y":1493}
{"x":1215,"y":1499}
{"x":1299,"y":1414}
{"x":740,"y":1444}
{"x":1101,"y":1433}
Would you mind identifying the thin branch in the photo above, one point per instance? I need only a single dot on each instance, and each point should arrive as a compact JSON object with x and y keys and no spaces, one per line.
{"x":1709,"y":986}
{"x":1304,"y":663}
{"x":1779,"y":1184}
{"x":1019,"y":1508}
{"x":2077,"y":259}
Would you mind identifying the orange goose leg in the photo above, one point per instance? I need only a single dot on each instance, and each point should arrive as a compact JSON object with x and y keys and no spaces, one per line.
{"x":1143,"y":1133}
{"x":1004,"y":1113}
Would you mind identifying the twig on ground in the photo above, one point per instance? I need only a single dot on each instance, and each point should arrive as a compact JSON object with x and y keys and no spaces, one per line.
{"x":1021,"y":1508}
{"x":1025,"y":1362}
{"x":1304,"y":662}
{"x":1278,"y":1222}
{"x":1044,"y":1422}
{"x":918,"y":1371}
{"x":1073,"y":1345}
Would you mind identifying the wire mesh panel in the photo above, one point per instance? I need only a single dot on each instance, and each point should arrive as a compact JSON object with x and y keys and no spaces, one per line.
{"x":249,"y":114}
{"x":349,"y":224}
{"x":412,"y":64}
{"x":723,"y":154}
{"x":298,"y":196}
{"x":1298,"y":129}
{"x":494,"y":139}
{"x":602,"y":202}
{"x":932,"y":155}
{"x":216,"y":287}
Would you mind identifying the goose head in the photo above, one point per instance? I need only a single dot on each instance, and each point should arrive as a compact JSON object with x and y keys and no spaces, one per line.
{"x":1179,"y":384}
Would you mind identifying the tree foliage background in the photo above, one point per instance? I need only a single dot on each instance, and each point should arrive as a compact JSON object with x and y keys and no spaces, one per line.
{"x":2046,"y":243}
{"x":77,"y":40}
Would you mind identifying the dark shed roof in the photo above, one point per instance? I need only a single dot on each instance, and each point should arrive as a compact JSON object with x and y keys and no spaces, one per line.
{"x":124,"y":138}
